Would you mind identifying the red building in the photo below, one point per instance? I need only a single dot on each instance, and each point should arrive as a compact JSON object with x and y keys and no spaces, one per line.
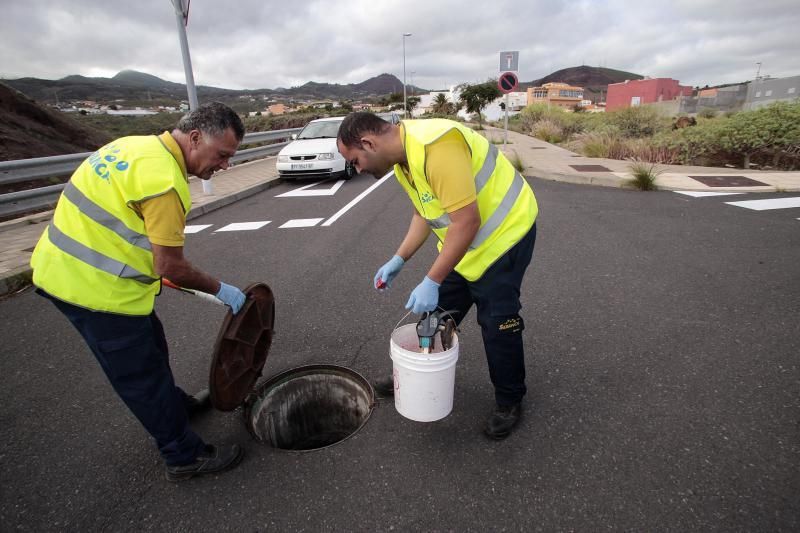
{"x":636,"y":92}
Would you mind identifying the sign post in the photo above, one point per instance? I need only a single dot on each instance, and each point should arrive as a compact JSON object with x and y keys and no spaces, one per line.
{"x":507,"y":82}
{"x":509,"y":64}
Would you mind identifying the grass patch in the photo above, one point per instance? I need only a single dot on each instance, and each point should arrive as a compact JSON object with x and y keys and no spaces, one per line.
{"x":644,"y":175}
{"x":516,"y":161}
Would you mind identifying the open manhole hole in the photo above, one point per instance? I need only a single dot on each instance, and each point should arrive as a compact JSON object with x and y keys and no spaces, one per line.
{"x":309,"y":407}
{"x":306,"y":408}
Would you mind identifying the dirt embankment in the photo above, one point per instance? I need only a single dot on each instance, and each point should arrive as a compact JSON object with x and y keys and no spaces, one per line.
{"x":29,"y":130}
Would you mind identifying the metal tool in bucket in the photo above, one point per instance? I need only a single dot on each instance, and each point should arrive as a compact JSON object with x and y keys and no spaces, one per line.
{"x":424,"y":373}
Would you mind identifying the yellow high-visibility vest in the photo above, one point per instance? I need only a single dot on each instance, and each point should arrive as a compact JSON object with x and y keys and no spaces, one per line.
{"x":505,"y":201}
{"x":95,"y":252}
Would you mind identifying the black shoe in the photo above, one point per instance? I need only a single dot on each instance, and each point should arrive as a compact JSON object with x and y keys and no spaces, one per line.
{"x":384,"y":387}
{"x":502,"y":421}
{"x":213,"y":460}
{"x":199,"y":403}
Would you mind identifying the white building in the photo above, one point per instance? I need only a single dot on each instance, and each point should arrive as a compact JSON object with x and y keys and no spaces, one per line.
{"x":426,"y":101}
{"x":494,"y":111}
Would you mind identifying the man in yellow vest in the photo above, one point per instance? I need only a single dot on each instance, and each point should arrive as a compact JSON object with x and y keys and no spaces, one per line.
{"x":117,"y":229}
{"x":483,"y":213}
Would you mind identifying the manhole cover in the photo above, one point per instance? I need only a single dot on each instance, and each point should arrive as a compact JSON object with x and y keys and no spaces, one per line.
{"x":728,"y":181}
{"x":590,"y":168}
{"x":309,"y":407}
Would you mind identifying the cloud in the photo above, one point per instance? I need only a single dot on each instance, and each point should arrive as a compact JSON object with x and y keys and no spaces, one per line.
{"x":267,"y":43}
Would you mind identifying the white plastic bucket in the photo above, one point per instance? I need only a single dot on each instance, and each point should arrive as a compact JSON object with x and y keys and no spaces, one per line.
{"x":423,"y":383}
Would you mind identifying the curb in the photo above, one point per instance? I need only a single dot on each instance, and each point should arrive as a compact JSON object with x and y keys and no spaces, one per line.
{"x":15,"y":280}
{"x":218,"y":203}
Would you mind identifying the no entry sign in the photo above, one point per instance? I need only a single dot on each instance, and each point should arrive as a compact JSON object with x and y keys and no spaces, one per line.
{"x":507,"y":82}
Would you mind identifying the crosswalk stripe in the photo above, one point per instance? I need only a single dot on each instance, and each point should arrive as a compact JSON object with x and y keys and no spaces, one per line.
{"x":701,"y":194}
{"x":763,"y":205}
{"x":303,"y":191}
{"x":302,"y":222}
{"x":244,"y":226}
{"x":197,"y":228}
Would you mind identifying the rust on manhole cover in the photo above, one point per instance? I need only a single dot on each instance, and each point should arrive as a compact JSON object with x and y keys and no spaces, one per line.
{"x":590,"y":168}
{"x":728,"y":181}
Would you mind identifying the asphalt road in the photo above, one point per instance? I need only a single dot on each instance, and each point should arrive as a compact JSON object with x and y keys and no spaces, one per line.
{"x":664,"y":392}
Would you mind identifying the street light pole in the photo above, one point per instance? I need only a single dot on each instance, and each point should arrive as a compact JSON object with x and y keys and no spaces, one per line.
{"x":181,"y":16}
{"x":405,"y":105}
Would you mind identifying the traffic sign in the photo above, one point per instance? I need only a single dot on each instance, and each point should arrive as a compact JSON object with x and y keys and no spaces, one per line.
{"x":509,"y":61}
{"x":507,"y":82}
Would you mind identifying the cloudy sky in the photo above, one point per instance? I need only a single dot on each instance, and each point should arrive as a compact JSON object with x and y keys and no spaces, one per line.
{"x":248,"y":44}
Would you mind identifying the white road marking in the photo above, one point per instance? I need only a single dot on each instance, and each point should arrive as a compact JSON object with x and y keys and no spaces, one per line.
{"x":763,"y":205}
{"x":244,"y":226}
{"x":302,"y":223}
{"x":357,"y":199}
{"x":700,"y":194}
{"x":317,"y":192}
{"x":196,"y":228}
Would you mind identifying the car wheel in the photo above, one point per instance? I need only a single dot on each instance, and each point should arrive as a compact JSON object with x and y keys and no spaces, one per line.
{"x":349,"y":171}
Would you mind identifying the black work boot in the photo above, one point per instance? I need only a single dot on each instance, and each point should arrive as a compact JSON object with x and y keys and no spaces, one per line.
{"x":502,"y":421}
{"x":199,"y":403}
{"x":213,"y":460}
{"x":384,"y":386}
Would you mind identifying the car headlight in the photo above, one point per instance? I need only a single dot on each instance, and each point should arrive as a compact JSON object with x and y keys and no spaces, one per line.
{"x":283,"y":159}
{"x":325,"y":156}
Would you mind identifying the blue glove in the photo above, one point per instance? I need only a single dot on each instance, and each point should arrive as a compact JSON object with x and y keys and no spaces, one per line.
{"x":424,"y":297}
{"x":387,"y":273}
{"x":232,"y":296}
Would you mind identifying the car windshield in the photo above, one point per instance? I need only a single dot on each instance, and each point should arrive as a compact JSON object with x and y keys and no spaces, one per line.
{"x":327,"y":129}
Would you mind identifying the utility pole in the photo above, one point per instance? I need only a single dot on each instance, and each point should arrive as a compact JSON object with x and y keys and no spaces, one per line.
{"x":405,"y":104}
{"x":182,"y":18}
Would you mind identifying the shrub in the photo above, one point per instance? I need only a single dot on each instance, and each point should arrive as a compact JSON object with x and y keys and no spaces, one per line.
{"x":516,"y":161}
{"x":766,"y":130}
{"x":548,"y":131}
{"x":637,"y":122}
{"x":644,"y":175}
{"x":707,"y":112}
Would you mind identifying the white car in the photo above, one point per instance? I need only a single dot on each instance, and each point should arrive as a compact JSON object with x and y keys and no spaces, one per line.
{"x":313,"y":152}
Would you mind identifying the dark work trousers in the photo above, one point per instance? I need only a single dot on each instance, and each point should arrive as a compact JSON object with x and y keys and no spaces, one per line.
{"x":132,"y":350}
{"x":496,"y":297}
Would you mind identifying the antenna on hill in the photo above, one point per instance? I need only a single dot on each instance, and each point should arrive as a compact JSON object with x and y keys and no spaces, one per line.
{"x":758,"y":72}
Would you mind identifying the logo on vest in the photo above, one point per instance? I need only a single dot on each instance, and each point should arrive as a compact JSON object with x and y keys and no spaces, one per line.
{"x":105,"y":160}
{"x":426,"y":198}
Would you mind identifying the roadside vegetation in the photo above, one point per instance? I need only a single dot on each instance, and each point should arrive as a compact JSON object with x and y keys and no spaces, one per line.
{"x":766,"y":138}
{"x":644,"y":175}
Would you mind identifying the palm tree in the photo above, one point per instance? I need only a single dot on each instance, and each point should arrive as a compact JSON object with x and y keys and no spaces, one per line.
{"x":440,"y":104}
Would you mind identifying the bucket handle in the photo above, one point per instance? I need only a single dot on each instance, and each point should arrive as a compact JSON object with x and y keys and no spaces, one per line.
{"x":446,"y":311}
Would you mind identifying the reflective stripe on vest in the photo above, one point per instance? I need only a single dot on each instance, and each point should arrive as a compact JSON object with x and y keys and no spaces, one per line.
{"x":501,"y":212}
{"x":503,"y":209}
{"x":104,"y":218}
{"x":70,"y":246}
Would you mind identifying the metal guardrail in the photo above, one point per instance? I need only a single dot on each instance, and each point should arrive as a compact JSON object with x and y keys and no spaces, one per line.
{"x":38,"y":168}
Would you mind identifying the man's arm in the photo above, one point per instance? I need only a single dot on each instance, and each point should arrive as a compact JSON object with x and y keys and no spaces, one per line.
{"x":170,"y":263}
{"x":418,"y":232}
{"x":464,"y":225}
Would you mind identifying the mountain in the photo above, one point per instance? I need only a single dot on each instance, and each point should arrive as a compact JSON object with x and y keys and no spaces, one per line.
{"x":139,"y":88}
{"x":29,"y":130}
{"x":594,"y":80}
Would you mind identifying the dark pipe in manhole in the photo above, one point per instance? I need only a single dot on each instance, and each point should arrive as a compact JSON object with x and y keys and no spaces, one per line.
{"x":309,"y":407}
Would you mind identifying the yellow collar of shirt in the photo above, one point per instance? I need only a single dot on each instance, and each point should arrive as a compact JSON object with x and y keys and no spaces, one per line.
{"x":175,"y":150}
